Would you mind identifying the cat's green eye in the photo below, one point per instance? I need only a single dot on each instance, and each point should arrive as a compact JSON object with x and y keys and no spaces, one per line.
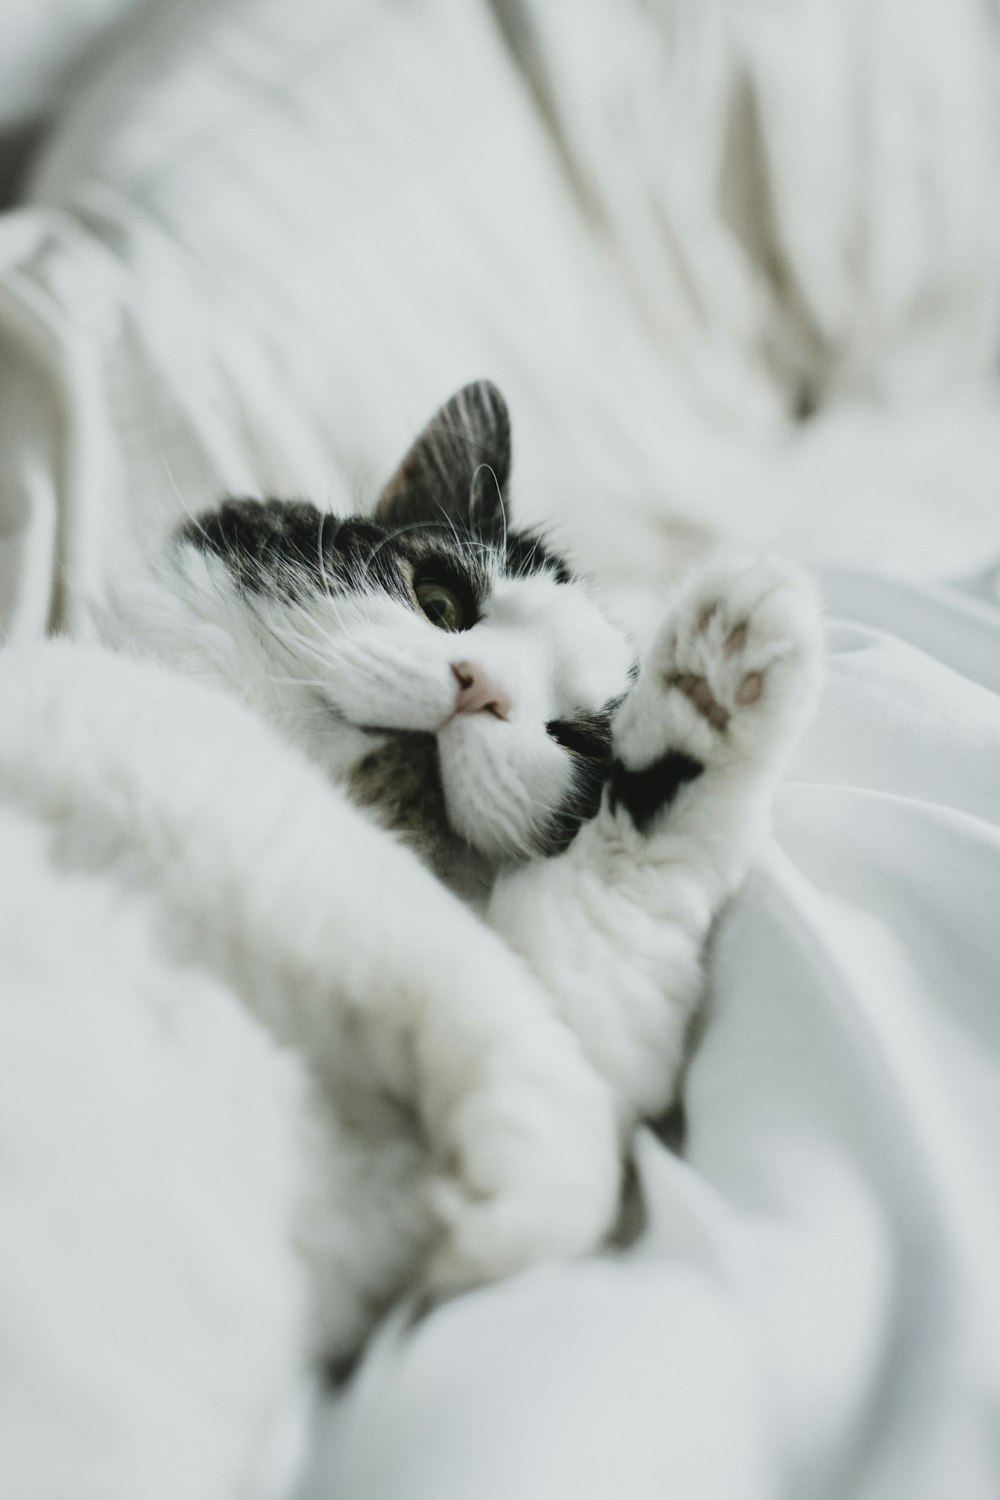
{"x":442,"y":605}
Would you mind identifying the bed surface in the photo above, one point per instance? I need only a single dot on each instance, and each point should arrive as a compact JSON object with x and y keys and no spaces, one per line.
{"x":262,"y":242}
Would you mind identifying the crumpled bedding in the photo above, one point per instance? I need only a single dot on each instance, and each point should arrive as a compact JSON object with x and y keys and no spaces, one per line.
{"x":264,"y":242}
{"x":812,"y":1307}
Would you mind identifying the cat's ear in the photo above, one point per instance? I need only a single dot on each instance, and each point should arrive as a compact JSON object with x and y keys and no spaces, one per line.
{"x":457,"y":469}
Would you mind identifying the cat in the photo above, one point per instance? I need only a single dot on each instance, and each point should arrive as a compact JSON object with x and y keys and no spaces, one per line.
{"x":510,"y":845}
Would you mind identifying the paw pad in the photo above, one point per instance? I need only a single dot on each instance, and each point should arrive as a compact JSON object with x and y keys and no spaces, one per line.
{"x":697,"y":690}
{"x":732,"y":675}
{"x":750,"y":689}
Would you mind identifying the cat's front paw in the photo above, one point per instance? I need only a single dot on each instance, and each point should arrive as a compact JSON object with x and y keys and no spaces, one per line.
{"x":734,"y":672}
{"x":534,"y":1170}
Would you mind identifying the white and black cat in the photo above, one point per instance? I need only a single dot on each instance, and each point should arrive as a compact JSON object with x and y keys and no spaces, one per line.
{"x":483,"y":1038}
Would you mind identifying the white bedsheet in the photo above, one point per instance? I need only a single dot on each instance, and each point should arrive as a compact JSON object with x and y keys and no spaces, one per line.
{"x":260,"y":250}
{"x":814,"y":1306}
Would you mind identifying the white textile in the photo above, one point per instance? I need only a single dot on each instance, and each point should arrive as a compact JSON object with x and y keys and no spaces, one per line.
{"x":267,"y":238}
{"x":814,"y":1306}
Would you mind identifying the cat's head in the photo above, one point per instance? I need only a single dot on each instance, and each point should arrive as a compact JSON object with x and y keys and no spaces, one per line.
{"x":450,"y":670}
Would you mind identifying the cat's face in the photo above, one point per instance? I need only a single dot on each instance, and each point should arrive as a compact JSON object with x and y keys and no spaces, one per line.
{"x":448,"y":670}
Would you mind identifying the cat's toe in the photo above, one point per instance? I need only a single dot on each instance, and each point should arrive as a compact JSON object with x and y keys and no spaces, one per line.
{"x":744,"y":649}
{"x":768,"y":654}
{"x":734,"y":671}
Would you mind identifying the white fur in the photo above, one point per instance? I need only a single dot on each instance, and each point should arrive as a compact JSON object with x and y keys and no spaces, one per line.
{"x":465,"y":1117}
{"x":323,"y":669}
{"x":450,"y":1110}
{"x":616,"y":925}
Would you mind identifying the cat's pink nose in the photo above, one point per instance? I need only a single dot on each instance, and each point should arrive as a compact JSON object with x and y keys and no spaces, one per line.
{"x":477,"y":693}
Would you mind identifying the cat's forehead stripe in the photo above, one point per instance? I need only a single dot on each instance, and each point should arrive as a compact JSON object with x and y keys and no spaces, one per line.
{"x":286,"y":547}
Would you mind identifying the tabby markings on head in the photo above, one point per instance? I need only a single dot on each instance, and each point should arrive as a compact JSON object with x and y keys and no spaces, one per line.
{"x":439,"y":545}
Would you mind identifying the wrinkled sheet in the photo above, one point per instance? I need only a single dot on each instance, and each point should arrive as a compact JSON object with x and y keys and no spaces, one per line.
{"x":813,"y":1308}
{"x":265,"y":241}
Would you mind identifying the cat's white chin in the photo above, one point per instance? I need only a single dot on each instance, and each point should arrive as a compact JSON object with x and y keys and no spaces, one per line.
{"x":502,"y":781}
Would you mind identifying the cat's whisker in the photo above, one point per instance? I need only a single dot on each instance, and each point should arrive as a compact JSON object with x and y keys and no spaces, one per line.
{"x":450,"y":519}
{"x":346,"y":613}
{"x":285,"y":633}
{"x":500,"y":500}
{"x":311,"y":682}
{"x":185,"y":508}
{"x":399,"y":531}
{"x":320,"y":555}
{"x":396,"y":533}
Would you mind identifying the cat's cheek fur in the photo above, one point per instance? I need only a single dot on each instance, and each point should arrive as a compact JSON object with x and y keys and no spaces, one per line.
{"x":391,"y":677}
{"x":501,"y":782}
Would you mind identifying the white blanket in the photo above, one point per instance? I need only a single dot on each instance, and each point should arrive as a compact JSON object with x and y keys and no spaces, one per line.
{"x":813,"y":1308}
{"x":266,"y":240}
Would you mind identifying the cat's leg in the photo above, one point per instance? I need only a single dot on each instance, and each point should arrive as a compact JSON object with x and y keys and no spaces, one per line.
{"x":455,"y":1116}
{"x":616,"y":925}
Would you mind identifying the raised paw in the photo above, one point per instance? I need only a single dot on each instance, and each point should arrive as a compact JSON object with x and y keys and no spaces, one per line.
{"x":734,"y":672}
